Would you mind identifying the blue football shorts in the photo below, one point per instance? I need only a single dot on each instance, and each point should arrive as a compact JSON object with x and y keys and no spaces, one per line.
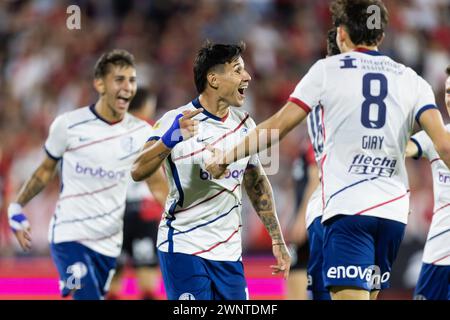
{"x":189,"y":277}
{"x":359,"y":251}
{"x":433,"y":283}
{"x":84,"y":273}
{"x":316,"y":286}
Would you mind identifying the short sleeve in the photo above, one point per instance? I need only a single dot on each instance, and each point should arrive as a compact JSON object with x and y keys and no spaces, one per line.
{"x":162,"y":125}
{"x":423,"y":143}
{"x":56,"y":142}
{"x":425,"y":100}
{"x":308,"y":91}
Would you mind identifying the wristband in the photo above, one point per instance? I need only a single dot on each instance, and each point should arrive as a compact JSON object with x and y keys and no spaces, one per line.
{"x":17,"y":220}
{"x":173,"y":136}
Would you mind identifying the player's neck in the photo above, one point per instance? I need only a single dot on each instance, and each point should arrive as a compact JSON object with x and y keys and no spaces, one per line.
{"x":371,"y":48}
{"x":214,"y":105}
{"x":106,"y":113}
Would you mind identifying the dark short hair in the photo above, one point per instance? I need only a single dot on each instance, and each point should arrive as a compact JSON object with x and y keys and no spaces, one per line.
{"x":353,"y":15}
{"x":139,"y":99}
{"x":332,"y":46}
{"x":211,"y":55}
{"x":116,"y":57}
{"x":448,"y":71}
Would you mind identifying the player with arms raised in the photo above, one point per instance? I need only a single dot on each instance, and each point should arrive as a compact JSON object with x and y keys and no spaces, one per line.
{"x":199,"y":239}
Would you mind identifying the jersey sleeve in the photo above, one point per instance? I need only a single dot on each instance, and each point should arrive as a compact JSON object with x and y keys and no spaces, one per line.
{"x":162,"y":125}
{"x":425,"y":100}
{"x":308,"y":91}
{"x":56,"y":142}
{"x":423,"y":143}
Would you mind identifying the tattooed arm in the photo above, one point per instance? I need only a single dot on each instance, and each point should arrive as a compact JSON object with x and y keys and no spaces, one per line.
{"x":259,"y":191}
{"x":149,"y":160}
{"x":40,"y":178}
{"x":16,"y":218}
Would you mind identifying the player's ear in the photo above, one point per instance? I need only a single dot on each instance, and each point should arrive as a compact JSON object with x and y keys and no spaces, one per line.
{"x":341,"y":35}
{"x":343,"y":39}
{"x":213,"y":80}
{"x":99,"y":85}
{"x":381,"y":39}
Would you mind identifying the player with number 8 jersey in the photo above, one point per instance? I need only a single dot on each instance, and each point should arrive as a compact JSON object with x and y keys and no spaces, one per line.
{"x":369,"y":104}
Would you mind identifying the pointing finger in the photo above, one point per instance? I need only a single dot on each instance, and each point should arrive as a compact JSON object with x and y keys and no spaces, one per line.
{"x":190,"y":114}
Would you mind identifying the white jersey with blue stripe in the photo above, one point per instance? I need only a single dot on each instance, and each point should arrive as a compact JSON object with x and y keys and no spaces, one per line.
{"x":368,"y":106}
{"x":314,"y":120}
{"x":96,"y":159}
{"x":203,"y":215}
{"x":437,"y":247}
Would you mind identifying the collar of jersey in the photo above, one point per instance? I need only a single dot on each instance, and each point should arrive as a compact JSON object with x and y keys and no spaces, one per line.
{"x":92,"y":108}
{"x":196,"y":103}
{"x":369,"y":52}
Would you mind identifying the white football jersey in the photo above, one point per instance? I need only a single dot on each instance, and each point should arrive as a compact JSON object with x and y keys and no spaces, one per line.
{"x":437,"y":247}
{"x":203,"y":215}
{"x":368,"y":105}
{"x":314,"y":120}
{"x":96,"y":159}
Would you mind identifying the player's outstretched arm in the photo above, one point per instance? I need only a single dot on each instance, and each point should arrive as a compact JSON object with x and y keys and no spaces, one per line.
{"x":431,"y":121}
{"x":259,"y":191}
{"x":35,"y":184}
{"x":157,"y":184}
{"x":262,"y":137}
{"x":154,"y":153}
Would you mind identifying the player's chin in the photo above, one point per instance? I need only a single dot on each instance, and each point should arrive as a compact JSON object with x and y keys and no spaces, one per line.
{"x":239,"y":101}
{"x":122,"y":106}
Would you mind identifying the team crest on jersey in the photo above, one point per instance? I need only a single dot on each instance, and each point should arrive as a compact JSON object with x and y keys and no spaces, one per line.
{"x":186,"y":296}
{"x":127,"y":144}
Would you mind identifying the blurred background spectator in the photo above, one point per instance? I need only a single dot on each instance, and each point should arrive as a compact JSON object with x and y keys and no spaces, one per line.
{"x":47,"y":69}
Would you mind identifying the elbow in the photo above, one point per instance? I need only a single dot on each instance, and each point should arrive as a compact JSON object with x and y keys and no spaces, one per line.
{"x":136,"y":173}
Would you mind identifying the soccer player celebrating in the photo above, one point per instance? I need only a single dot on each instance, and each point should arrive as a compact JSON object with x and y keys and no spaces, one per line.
{"x":199,"y":239}
{"x":368,"y":105}
{"x":96,"y":146}
{"x":434,"y":279}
